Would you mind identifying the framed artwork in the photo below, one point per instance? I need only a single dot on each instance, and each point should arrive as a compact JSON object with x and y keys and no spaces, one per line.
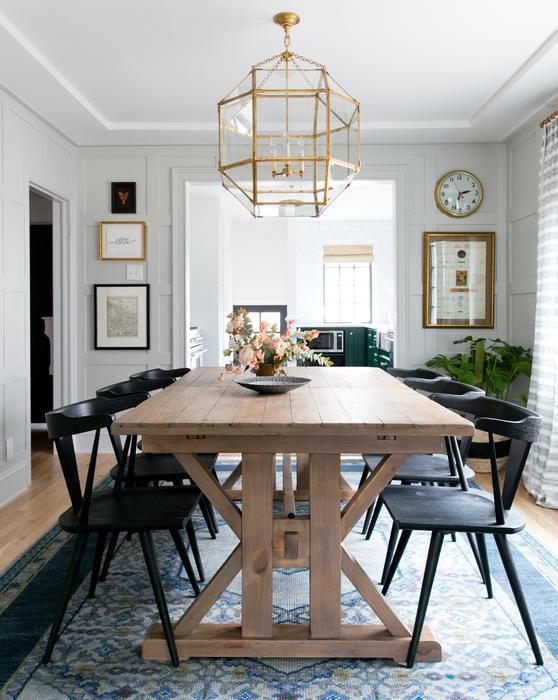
{"x":121,"y":316}
{"x":123,"y":197}
{"x":122,"y":240}
{"x":458,"y":280}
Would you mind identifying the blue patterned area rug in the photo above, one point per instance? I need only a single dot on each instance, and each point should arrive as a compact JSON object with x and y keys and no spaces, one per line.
{"x":486,"y":654}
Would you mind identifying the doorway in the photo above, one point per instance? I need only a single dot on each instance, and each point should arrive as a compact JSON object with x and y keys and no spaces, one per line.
{"x":41,"y":316}
{"x":235,"y":260}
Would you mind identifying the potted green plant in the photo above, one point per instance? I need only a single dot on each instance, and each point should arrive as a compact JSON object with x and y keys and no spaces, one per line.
{"x":493,"y":365}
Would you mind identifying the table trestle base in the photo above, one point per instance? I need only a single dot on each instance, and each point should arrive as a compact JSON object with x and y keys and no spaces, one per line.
{"x":355,"y":641}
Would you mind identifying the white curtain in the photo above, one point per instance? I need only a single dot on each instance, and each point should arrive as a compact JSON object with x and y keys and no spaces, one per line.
{"x":541,"y":473}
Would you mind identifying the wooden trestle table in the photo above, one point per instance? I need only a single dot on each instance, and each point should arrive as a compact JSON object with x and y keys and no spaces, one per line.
{"x":343,"y":410}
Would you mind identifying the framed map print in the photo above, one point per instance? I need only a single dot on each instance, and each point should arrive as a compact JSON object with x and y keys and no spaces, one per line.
{"x":122,"y":240}
{"x":458,"y":280}
{"x":121,"y":316}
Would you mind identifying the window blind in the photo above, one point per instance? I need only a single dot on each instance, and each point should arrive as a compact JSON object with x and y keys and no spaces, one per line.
{"x":348,"y":253}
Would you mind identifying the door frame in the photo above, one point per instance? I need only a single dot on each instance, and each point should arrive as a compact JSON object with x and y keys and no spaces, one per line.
{"x":399,"y":174}
{"x":64,"y":384}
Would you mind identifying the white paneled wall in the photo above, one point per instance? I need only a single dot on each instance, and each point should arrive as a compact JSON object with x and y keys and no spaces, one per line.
{"x":30,"y":152}
{"x":416,"y":170}
{"x":523,"y":180}
{"x":151,"y":169}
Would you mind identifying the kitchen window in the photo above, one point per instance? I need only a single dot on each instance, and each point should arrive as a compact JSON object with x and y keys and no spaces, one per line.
{"x":348,"y":284}
{"x":272,"y":314}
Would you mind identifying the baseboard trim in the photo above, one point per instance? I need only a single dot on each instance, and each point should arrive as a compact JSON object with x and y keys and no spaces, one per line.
{"x":14,"y":481}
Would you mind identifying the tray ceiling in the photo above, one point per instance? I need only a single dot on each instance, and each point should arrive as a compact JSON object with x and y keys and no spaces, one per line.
{"x":143,"y":72}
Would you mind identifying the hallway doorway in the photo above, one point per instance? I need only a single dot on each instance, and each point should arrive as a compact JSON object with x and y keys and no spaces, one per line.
{"x":41,"y":317}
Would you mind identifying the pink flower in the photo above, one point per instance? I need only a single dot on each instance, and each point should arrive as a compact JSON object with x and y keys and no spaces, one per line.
{"x":278,"y":347}
{"x":245,"y":355}
{"x":264,"y":326}
{"x":238,"y":322}
{"x":229,"y":327}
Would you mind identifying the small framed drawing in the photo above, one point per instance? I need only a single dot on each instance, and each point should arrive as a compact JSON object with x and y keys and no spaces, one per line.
{"x":458,"y":280}
{"x":122,"y":240}
{"x":121,"y":316}
{"x":123,"y":197}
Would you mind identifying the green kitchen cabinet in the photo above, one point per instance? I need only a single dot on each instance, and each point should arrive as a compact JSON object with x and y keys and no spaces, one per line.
{"x":355,"y":347}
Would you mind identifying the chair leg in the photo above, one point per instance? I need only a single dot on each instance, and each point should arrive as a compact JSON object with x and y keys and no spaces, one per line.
{"x":109,"y":555}
{"x":453,"y":537}
{"x":436,"y":542}
{"x":481,"y":541}
{"x":374,"y":518}
{"x":210,"y":505}
{"x":191,"y":533}
{"x":509,"y":566}
{"x":207,"y":517}
{"x":98,"y":558}
{"x":403,"y":540}
{"x":363,"y":477}
{"x":476,"y":554}
{"x":77,"y":556}
{"x":390,"y":550}
{"x":183,"y":554}
{"x":153,"y":571}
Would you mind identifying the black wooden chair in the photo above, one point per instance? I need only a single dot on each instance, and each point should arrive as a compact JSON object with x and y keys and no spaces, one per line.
{"x":144,"y":469}
{"x":440,"y":469}
{"x":418,"y":373}
{"x":114,"y":510}
{"x":441,"y":511}
{"x":159,"y":373}
{"x":169,"y":467}
{"x":151,"y":469}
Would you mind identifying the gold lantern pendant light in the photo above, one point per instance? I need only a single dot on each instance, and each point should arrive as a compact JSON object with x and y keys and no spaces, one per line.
{"x":289,"y":135}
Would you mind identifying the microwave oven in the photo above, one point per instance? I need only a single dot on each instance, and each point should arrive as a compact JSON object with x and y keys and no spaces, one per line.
{"x":329,"y":341}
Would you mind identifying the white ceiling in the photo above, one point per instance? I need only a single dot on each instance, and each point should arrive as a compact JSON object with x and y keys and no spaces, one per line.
{"x":134,"y":71}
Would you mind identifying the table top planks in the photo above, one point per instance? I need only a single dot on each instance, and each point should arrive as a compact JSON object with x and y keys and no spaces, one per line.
{"x":338,"y":401}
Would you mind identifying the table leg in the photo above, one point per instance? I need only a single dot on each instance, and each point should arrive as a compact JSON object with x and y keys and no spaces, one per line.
{"x":325,"y":542}
{"x":258,"y":481}
{"x":302,"y":474}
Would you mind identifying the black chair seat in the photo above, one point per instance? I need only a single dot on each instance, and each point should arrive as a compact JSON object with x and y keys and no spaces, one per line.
{"x":417,"y":468}
{"x":162,"y":467}
{"x":446,"y":510}
{"x":135,"y":510}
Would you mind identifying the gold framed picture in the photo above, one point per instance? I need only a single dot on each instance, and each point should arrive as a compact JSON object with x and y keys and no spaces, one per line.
{"x":458,"y":280}
{"x":122,"y":240}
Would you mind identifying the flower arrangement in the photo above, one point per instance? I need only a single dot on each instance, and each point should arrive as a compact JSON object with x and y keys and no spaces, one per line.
{"x":267,"y":351}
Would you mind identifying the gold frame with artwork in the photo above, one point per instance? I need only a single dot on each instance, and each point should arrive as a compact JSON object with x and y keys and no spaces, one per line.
{"x":458,"y":280}
{"x":134,"y":251}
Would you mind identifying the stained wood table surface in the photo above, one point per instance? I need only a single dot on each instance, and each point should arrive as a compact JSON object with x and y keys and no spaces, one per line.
{"x":342,"y":410}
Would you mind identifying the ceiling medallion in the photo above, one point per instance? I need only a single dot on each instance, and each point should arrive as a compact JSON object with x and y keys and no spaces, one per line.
{"x":289,"y":135}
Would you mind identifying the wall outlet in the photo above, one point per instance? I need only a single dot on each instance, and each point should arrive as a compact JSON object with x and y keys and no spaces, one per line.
{"x":9,"y":448}
{"x":134,"y":273}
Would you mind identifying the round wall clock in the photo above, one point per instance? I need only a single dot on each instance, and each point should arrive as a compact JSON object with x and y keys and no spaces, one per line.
{"x":458,"y":193}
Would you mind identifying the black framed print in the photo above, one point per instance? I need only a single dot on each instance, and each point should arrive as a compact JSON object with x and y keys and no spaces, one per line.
{"x":121,"y":316}
{"x":123,"y":197}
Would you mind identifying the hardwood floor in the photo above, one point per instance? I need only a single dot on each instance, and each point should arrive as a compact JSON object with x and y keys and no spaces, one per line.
{"x":25,"y":519}
{"x":30,"y":515}
{"x":541,"y":522}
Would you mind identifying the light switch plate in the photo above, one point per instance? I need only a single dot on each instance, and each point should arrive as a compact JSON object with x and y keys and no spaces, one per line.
{"x":134,"y":273}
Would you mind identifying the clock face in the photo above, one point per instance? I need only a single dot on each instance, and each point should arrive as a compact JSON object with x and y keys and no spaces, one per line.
{"x":458,"y":193}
